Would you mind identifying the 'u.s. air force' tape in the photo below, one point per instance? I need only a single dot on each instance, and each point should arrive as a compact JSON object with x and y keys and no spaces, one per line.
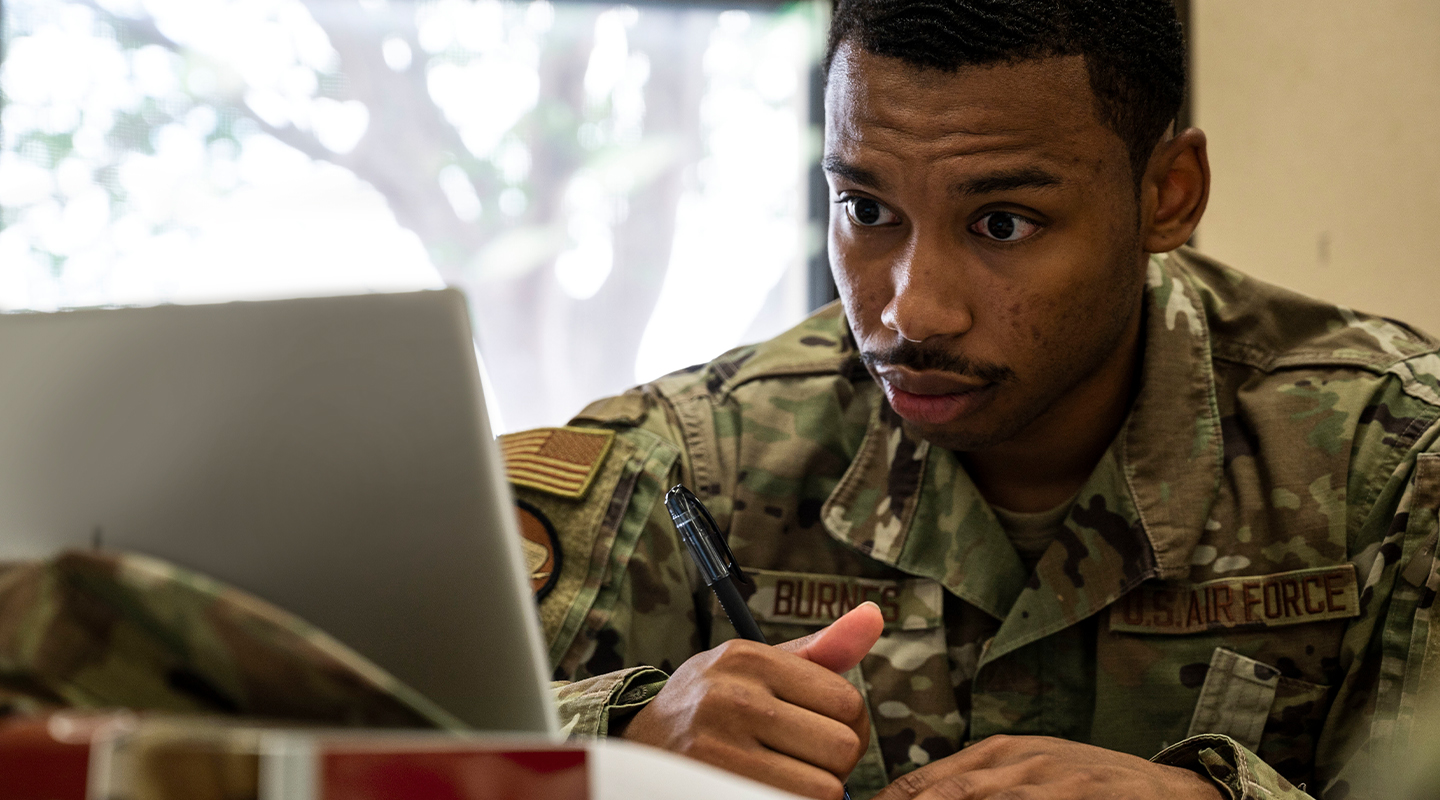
{"x":805,"y":598}
{"x":1249,"y":601}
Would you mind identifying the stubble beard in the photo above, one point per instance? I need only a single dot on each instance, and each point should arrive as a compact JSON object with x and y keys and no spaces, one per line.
{"x":1070,"y":370}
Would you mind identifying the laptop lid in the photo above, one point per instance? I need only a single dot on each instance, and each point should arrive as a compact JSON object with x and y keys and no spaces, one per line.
{"x":330,"y":455}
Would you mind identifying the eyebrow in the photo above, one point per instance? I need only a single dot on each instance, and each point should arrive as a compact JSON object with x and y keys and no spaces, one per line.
{"x":1023,"y":178}
{"x":834,"y":165}
{"x":1010,"y":180}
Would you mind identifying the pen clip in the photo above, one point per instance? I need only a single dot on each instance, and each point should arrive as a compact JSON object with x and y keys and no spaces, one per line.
{"x":715,"y":542}
{"x":724,"y":542}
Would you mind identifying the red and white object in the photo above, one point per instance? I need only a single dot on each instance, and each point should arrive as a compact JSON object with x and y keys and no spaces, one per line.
{"x":68,"y":756}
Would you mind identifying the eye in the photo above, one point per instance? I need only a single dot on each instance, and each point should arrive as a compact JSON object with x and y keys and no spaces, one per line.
{"x":1004,"y":226}
{"x":867,"y":212}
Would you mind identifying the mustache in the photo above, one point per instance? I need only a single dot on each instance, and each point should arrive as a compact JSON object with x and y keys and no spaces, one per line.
{"x":925,"y":359}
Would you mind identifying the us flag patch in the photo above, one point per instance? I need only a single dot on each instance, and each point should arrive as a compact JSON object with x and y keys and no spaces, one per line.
{"x":558,"y":461}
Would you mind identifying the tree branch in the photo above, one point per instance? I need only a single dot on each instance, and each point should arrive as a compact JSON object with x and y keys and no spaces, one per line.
{"x":398,"y":152}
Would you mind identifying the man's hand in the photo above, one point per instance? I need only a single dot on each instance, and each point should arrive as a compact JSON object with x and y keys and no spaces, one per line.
{"x":781,"y":715}
{"x":1042,"y":767}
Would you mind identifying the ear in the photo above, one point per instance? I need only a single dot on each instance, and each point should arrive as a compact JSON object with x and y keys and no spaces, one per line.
{"x":1175,"y":190}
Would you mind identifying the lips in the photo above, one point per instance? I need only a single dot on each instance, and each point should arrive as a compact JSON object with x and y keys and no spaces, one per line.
{"x":933,"y":398}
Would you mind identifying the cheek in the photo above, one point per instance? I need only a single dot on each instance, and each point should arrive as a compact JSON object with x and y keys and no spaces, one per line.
{"x":1029,"y":320}
{"x":1052,"y":326}
{"x":863,"y":293}
{"x":1029,"y":313}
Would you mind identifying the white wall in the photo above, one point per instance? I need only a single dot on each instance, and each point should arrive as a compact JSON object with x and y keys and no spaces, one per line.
{"x":1324,"y":125}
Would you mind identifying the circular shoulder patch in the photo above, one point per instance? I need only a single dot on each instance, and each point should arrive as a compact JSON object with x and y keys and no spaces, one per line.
{"x":540,"y":546}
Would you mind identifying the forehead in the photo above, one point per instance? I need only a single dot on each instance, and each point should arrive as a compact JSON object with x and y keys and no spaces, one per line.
{"x":1037,"y":109}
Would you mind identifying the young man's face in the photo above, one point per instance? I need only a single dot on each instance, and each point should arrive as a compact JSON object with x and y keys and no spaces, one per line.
{"x":984,"y":238}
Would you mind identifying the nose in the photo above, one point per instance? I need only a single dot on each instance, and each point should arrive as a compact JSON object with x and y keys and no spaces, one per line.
{"x":930,"y":298}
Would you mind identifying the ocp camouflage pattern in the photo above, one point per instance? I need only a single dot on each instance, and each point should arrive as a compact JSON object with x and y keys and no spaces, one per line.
{"x":97,"y":629}
{"x":1273,"y":435}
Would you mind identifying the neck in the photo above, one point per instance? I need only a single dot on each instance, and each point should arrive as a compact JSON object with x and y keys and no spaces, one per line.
{"x":1048,"y":462}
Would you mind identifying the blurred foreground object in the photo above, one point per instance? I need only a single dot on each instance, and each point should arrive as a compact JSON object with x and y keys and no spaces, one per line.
{"x":103,"y":631}
{"x":69,"y":756}
{"x":328,"y":455}
{"x":93,"y":630}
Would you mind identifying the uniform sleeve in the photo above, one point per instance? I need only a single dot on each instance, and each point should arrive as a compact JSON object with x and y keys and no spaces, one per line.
{"x":622,"y":613}
{"x":589,"y":707}
{"x":1391,"y":658}
{"x":1237,"y":772}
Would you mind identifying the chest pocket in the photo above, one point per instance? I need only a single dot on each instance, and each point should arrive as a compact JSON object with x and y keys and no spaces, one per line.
{"x":906,"y":678}
{"x":1232,"y":656}
{"x":1276,"y":717}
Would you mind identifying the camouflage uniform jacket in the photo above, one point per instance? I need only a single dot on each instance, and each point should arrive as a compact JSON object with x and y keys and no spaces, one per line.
{"x":1244,"y":582}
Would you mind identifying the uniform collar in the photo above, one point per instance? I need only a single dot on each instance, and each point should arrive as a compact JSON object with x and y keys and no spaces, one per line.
{"x":1140,"y":514}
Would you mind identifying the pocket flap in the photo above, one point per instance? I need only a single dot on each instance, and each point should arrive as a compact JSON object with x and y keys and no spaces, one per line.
{"x":1236,"y":698}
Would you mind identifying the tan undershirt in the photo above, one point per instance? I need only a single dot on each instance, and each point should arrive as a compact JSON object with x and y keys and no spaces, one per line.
{"x":1031,"y":532}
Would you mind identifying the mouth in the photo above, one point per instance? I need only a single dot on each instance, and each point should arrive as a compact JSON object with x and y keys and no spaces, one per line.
{"x":933,"y":398}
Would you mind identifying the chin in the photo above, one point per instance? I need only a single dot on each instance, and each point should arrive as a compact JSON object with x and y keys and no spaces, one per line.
{"x":968,"y":439}
{"x":976,"y":434}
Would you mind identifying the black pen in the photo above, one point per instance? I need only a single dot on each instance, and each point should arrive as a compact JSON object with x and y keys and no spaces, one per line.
{"x":717,"y":564}
{"x":712,"y":555}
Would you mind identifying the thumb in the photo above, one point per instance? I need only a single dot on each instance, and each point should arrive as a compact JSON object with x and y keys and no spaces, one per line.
{"x":842,"y":644}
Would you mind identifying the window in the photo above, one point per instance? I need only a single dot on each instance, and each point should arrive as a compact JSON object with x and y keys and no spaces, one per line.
{"x":620,"y":190}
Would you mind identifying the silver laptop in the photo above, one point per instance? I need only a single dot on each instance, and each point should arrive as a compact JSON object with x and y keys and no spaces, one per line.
{"x":330,"y":455}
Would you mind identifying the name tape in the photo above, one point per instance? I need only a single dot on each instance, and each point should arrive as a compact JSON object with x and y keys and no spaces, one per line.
{"x":1259,"y":601}
{"x":801,"y":598}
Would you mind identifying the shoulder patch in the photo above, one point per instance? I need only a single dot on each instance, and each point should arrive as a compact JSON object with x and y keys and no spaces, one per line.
{"x":558,"y":461}
{"x":540,"y":546}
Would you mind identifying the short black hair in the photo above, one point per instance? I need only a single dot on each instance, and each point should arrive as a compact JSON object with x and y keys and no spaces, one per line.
{"x":1134,"y":50}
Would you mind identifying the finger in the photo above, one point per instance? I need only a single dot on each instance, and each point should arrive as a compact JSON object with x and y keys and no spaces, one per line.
{"x":840,"y":645}
{"x":822,"y":692}
{"x":791,"y":679}
{"x":767,"y":766}
{"x":804,"y":735}
{"x":982,"y":758}
{"x":942,"y":781}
